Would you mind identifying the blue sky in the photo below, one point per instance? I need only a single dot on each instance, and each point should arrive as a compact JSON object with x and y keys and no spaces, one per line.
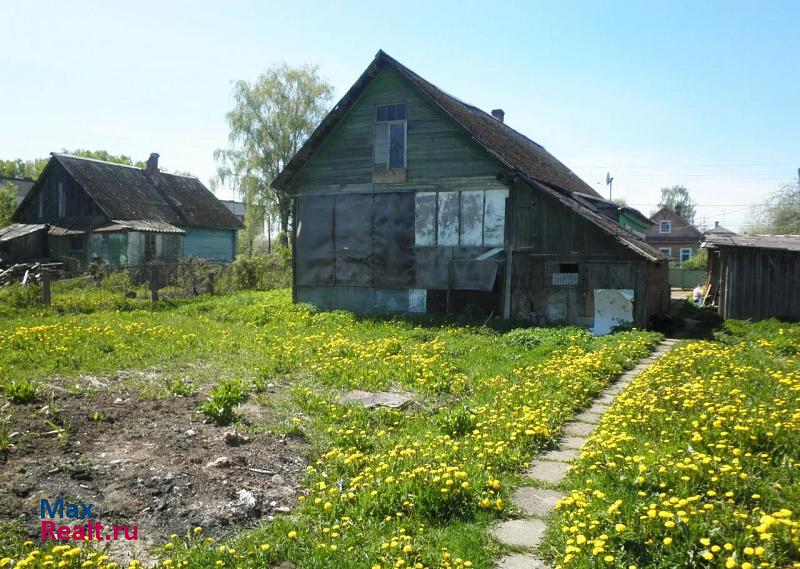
{"x":705,"y":94}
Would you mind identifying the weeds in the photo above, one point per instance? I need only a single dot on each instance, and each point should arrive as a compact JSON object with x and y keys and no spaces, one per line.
{"x":6,"y":444}
{"x":21,"y":391}
{"x":219,"y":406}
{"x":181,"y":387}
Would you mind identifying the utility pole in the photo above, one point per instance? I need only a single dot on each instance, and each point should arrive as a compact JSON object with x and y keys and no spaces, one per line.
{"x":609,"y":182}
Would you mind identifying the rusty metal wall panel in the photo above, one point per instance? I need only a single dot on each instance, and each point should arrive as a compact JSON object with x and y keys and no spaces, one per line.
{"x":425,"y":219}
{"x":315,"y":255}
{"x":474,"y":275}
{"x":431,"y":267}
{"x":471,"y":227}
{"x":447,"y":228}
{"x":393,"y":236}
{"x":353,"y":240}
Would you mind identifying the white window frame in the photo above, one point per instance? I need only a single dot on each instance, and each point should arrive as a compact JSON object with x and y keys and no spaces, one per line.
{"x":685,"y":250}
{"x":668,"y":225}
{"x":666,"y":250}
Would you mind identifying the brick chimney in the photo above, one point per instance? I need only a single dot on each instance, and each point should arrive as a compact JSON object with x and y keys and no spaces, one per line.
{"x":716,"y":224}
{"x":499,"y":114}
{"x":152,"y":165}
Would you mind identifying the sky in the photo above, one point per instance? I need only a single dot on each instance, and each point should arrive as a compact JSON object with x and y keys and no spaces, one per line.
{"x":703,"y":94}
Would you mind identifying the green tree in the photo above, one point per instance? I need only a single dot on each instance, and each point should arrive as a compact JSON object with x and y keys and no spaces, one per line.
{"x":678,"y":200}
{"x":8,"y":203}
{"x":19,"y":168}
{"x":105,"y":156}
{"x":270,"y":120}
{"x":782,"y":215}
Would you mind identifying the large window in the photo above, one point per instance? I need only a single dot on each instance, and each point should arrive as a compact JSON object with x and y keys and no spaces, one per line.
{"x":465,"y":219}
{"x":665,"y":226}
{"x":686,"y":254}
{"x":390,"y":137}
{"x":666,"y":250}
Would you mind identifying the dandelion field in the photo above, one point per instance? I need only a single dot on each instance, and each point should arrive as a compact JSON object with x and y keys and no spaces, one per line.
{"x":416,"y":487}
{"x":697,"y":464}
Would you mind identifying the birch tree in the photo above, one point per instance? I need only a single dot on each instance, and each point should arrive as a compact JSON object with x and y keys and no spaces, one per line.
{"x":270,"y":120}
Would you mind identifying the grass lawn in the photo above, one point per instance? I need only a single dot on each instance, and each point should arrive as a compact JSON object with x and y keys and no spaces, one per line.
{"x":697,"y":464}
{"x":385,"y":488}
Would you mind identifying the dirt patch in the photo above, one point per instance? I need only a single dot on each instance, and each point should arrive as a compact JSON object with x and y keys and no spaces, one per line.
{"x":149,"y":463}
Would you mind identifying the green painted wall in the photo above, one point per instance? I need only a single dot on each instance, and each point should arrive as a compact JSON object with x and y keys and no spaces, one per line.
{"x":437,"y":146}
{"x":632,"y":222}
{"x":210,"y":244}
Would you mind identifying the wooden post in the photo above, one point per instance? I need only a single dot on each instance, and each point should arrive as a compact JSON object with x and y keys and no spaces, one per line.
{"x":507,"y":286}
{"x":153,"y":281}
{"x":45,"y":287}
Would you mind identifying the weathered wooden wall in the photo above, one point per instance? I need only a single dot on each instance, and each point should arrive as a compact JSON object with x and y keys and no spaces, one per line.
{"x":437,"y":147}
{"x":357,"y":246}
{"x":76,"y":202}
{"x":756,"y":283}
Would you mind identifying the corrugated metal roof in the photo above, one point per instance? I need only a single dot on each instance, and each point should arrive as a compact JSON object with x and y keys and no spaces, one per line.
{"x":19,"y":230}
{"x":775,"y":242}
{"x":144,"y":225}
{"x":130,"y":194}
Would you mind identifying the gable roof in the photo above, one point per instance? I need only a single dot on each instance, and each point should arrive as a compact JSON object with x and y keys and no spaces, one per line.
{"x":503,"y":142}
{"x":127,"y":193}
{"x":511,"y":148}
{"x":669,"y":213}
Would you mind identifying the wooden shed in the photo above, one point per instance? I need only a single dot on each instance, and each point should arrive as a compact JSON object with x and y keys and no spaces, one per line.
{"x":755,"y":277}
{"x":408,"y":199}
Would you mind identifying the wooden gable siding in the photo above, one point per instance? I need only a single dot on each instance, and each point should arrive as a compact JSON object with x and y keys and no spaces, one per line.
{"x":543,"y":225}
{"x":437,"y":147}
{"x":76,"y":202}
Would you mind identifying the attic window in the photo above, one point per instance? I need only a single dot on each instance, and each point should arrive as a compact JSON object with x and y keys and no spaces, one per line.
{"x":390,"y":137}
{"x":665,"y":226}
{"x":386,"y":113}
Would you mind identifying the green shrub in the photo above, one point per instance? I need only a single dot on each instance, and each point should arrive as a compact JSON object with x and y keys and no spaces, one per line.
{"x":219,"y":406}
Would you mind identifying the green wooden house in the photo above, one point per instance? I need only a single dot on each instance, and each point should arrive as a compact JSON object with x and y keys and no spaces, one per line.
{"x":408,"y":199}
{"x":88,"y":209}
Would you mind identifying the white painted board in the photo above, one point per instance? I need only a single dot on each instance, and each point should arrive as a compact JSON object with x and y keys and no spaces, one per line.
{"x":612,"y":307}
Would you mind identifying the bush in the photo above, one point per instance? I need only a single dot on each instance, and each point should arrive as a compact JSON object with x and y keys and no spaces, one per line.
{"x":219,"y":407}
{"x":260,"y":272}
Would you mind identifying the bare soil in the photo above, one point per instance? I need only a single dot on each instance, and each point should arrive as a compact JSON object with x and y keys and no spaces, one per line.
{"x":146,"y":462}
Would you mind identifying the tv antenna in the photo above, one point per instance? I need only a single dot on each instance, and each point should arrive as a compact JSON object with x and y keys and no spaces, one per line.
{"x":609,"y":182}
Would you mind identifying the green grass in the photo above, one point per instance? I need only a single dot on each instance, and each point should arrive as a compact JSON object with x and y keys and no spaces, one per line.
{"x":386,"y":487}
{"x":697,"y":464}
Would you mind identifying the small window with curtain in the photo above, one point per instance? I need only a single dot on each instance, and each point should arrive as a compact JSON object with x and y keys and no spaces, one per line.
{"x":390,"y":137}
{"x":665,"y":226}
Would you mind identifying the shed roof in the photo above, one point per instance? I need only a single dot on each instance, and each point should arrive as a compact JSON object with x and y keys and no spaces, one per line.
{"x":511,"y":148}
{"x":773,"y":242}
{"x":128,"y":193}
{"x":16,"y":230}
